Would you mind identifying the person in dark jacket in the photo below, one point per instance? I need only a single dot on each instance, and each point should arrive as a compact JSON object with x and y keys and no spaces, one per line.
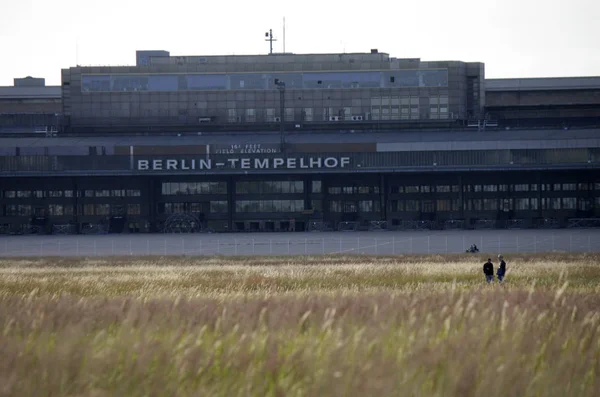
{"x":488,"y":270}
{"x":501,"y":268}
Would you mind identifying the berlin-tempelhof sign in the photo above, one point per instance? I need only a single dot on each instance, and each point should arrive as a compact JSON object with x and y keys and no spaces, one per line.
{"x":242,"y":163}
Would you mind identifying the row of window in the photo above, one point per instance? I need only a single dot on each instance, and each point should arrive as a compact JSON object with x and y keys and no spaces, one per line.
{"x":69,"y":193}
{"x":523,"y":187}
{"x":243,"y":206}
{"x":264,"y":81}
{"x":266,"y":187}
{"x":66,"y":210}
{"x":193,"y":188}
{"x":492,"y":204}
{"x":353,"y":190}
{"x":219,"y":206}
{"x":354,"y":206}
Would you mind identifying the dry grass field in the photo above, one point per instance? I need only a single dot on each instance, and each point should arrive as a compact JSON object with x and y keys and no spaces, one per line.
{"x":299,"y":326}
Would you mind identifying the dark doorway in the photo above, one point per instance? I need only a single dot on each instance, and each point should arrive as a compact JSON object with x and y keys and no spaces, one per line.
{"x":254,"y":226}
{"x":239,"y":226}
{"x":269,"y":226}
{"x":116,"y":224}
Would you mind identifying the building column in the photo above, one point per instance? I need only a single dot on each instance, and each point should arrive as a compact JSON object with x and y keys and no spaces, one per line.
{"x":151,"y":201}
{"x":383,"y":196}
{"x":230,"y":202}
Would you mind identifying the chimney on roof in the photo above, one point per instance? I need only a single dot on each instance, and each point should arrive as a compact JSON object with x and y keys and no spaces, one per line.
{"x":374,"y":51}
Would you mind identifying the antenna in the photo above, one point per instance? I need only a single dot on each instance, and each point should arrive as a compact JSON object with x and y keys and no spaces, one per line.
{"x":270,"y":39}
{"x":284,"y":35}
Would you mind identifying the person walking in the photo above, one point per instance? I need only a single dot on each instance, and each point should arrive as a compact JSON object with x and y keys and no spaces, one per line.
{"x":488,"y":270}
{"x":501,"y":268}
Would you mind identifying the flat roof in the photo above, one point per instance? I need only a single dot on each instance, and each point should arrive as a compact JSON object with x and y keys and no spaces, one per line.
{"x":20,"y":92}
{"x":489,"y":136}
{"x":543,"y":83}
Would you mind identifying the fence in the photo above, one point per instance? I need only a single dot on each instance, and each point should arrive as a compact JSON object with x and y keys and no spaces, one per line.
{"x":386,"y":243}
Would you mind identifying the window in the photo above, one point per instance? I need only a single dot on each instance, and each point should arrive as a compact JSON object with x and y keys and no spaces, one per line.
{"x":348,"y":190}
{"x":349,"y":206}
{"x":55,"y":210}
{"x":521,"y":204}
{"x":412,"y":189}
{"x":412,"y":205}
{"x":102,"y":193}
{"x":557,"y":187}
{"x":88,"y":209}
{"x":218,"y":206}
{"x":269,"y":206}
{"x":23,"y":193}
{"x":18,"y":210}
{"x":102,"y":209}
{"x":88,"y":193}
{"x":443,"y":188}
{"x":583,"y":186}
{"x":335,"y":206}
{"x":521,"y":187}
{"x":133,"y":193}
{"x":569,"y":203}
{"x":117,"y":193}
{"x":506,"y":204}
{"x":584,"y":204}
{"x":597,"y":202}
{"x":68,"y":193}
{"x":503,"y":188}
{"x":193,"y":188}
{"x":475,"y":205}
{"x":555,"y":203}
{"x":569,"y":186}
{"x":133,"y":209}
{"x":534,"y":187}
{"x":10,"y":194}
{"x":490,"y":188}
{"x":534,"y":203}
{"x":55,"y":193}
{"x":444,"y":205}
{"x":38,"y":194}
{"x":335,"y":190}
{"x":425,"y":189}
{"x":396,"y":189}
{"x":316,"y":186}
{"x":68,"y":210}
{"x":427,"y":206}
{"x":365,"y":206}
{"x":477,"y":188}
{"x":490,"y":204}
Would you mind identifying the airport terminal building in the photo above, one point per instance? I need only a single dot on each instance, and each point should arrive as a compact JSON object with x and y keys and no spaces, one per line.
{"x":288,"y":142}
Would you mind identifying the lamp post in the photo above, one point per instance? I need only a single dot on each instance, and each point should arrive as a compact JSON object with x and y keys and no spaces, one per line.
{"x":281,"y":87}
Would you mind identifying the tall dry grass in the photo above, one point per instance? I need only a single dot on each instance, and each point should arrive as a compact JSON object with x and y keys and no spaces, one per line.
{"x":414,"y":326}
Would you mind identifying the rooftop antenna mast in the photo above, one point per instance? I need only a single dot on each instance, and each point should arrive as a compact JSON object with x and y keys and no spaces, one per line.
{"x":270,"y":39}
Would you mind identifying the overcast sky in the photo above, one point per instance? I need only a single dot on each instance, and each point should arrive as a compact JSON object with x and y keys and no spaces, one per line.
{"x":515,"y":38}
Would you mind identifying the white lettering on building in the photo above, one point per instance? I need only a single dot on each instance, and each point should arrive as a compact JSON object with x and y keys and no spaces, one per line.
{"x":243,"y":163}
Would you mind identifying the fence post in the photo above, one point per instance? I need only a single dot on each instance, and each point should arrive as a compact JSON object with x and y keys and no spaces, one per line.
{"x":429,"y":244}
{"x":358,"y":245}
{"x":270,"y":247}
{"x":394,"y":245}
{"x":95,"y":252}
{"x":376,"y":246}
{"x":446,"y":244}
{"x":323,"y":246}
{"x":218,"y":246}
{"x":411,"y":245}
{"x":305,"y":247}
{"x":130,"y":247}
{"x":288,"y":246}
{"x":253,"y":247}
{"x":236,"y":248}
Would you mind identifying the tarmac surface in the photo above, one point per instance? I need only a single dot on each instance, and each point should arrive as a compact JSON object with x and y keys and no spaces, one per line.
{"x":304,"y":243}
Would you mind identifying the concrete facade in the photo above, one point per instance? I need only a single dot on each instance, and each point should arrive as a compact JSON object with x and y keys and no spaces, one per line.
{"x":240,"y":89}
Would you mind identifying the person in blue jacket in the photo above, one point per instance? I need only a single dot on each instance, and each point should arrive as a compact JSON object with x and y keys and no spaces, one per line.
{"x":501,"y":268}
